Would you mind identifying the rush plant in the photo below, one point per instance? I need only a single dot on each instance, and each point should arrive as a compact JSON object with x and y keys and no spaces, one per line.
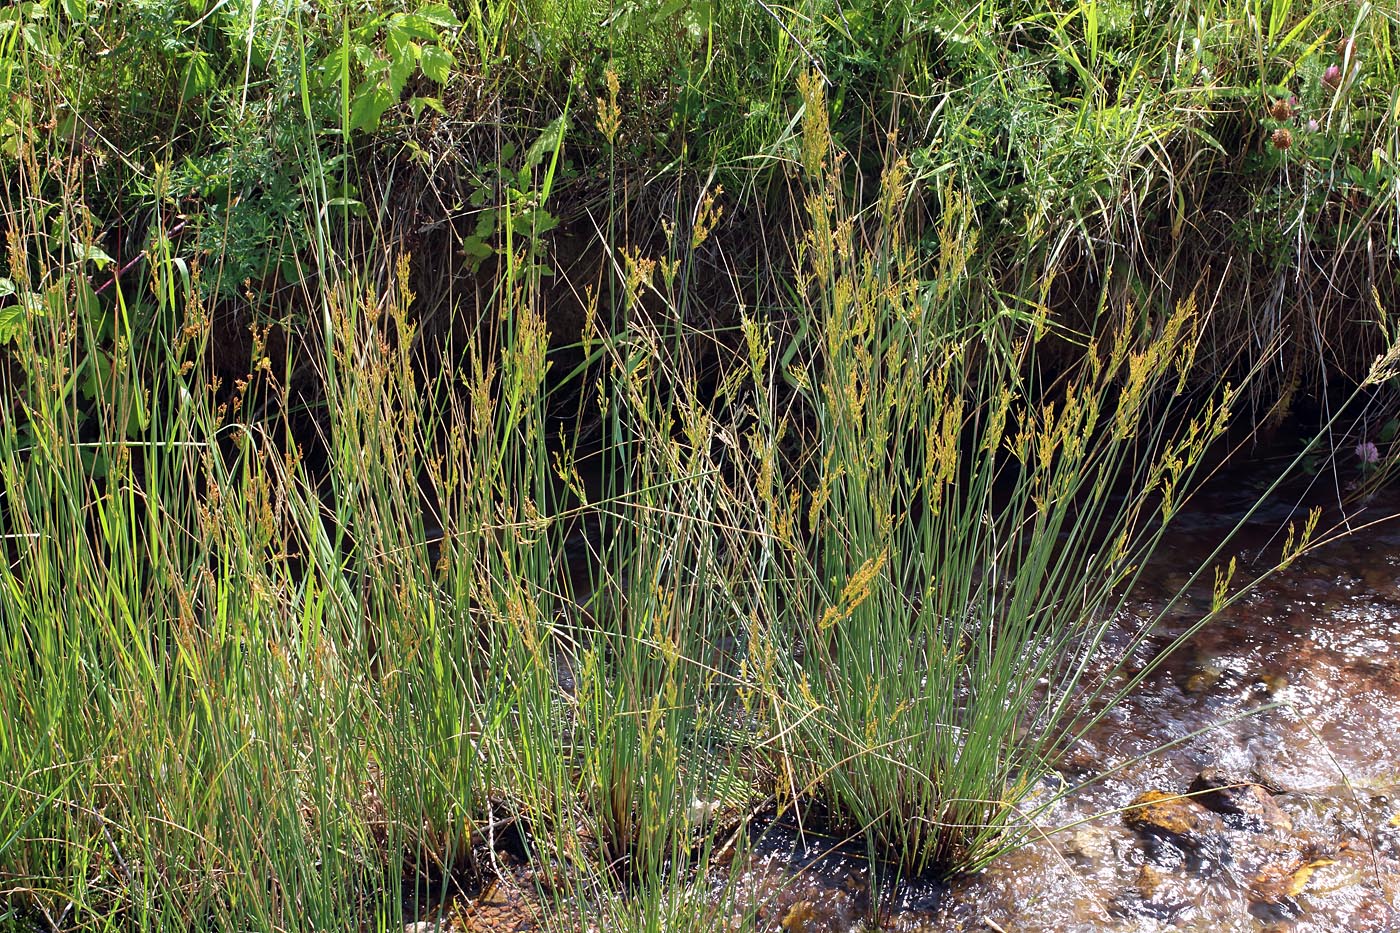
{"x":968,"y":532}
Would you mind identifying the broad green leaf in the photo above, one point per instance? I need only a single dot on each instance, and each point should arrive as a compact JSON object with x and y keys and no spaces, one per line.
{"x":350,"y":204}
{"x":365,"y":55}
{"x":417,"y":27}
{"x":437,"y":63}
{"x":198,"y":78}
{"x":368,"y":106}
{"x":400,"y":67}
{"x":399,"y":45}
{"x":533,"y":222}
{"x":85,"y":300}
{"x":93,"y":254}
{"x":551,"y":137}
{"x":475,"y":251}
{"x":7,"y":288}
{"x":439,"y":14}
{"x":11,"y":322}
{"x":416,"y":104}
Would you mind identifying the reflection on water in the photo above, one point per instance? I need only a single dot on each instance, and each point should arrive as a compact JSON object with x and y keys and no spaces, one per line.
{"x":1305,"y":838}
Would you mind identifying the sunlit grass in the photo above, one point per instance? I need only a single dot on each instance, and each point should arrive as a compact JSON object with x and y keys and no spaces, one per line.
{"x":296,"y":647}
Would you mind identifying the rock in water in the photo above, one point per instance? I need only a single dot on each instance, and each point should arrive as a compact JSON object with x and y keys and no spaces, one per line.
{"x":1243,"y":803}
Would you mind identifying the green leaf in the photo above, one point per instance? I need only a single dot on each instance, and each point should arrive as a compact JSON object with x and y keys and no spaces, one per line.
{"x":91,"y":253}
{"x":399,"y":45}
{"x":418,"y":27}
{"x":331,"y":65}
{"x":437,"y":63}
{"x":400,"y":67}
{"x":76,"y":10}
{"x":365,"y":56}
{"x":198,"y":78}
{"x":371,"y":100}
{"x":439,"y":14}
{"x":475,"y":251}
{"x":350,"y":204}
{"x":11,"y":322}
{"x":33,"y":303}
{"x":416,"y":104}
{"x":85,"y":300}
{"x":533,"y":222}
{"x":7,"y":288}
{"x":551,"y":137}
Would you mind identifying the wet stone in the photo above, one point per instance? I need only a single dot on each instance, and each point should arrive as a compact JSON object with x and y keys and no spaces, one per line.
{"x":1201,"y":681}
{"x":1242,"y":802}
{"x":1173,"y":816}
{"x":1158,"y":894}
{"x":798,"y":916}
{"x":1089,"y":844}
{"x":1178,"y":830}
{"x":1280,"y":883}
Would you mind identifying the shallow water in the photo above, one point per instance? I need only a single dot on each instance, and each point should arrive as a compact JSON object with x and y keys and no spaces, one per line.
{"x":1301,"y":682}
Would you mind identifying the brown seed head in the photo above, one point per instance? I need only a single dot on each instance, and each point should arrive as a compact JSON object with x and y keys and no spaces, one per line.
{"x":1281,"y":110}
{"x":1282,"y":139}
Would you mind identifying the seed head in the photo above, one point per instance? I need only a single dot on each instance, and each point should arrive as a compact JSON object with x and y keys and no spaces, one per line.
{"x":1282,"y":139}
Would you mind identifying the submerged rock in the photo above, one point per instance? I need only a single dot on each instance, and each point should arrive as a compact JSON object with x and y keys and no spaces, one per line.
{"x":1244,"y":803}
{"x":1279,"y":883}
{"x":1175,"y":817}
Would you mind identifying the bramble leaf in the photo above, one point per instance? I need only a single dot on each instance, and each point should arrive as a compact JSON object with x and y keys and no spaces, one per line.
{"x":437,"y":63}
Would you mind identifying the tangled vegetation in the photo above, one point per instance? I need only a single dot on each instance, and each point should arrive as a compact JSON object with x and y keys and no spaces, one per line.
{"x":606,"y":428}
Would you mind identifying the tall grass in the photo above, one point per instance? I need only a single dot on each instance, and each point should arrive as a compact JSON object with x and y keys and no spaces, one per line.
{"x":307,"y":646}
{"x":953,"y":547}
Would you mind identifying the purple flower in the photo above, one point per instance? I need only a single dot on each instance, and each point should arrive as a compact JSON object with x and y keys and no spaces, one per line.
{"x":1368,"y":452}
{"x":1332,"y":77}
{"x":1313,"y":126}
